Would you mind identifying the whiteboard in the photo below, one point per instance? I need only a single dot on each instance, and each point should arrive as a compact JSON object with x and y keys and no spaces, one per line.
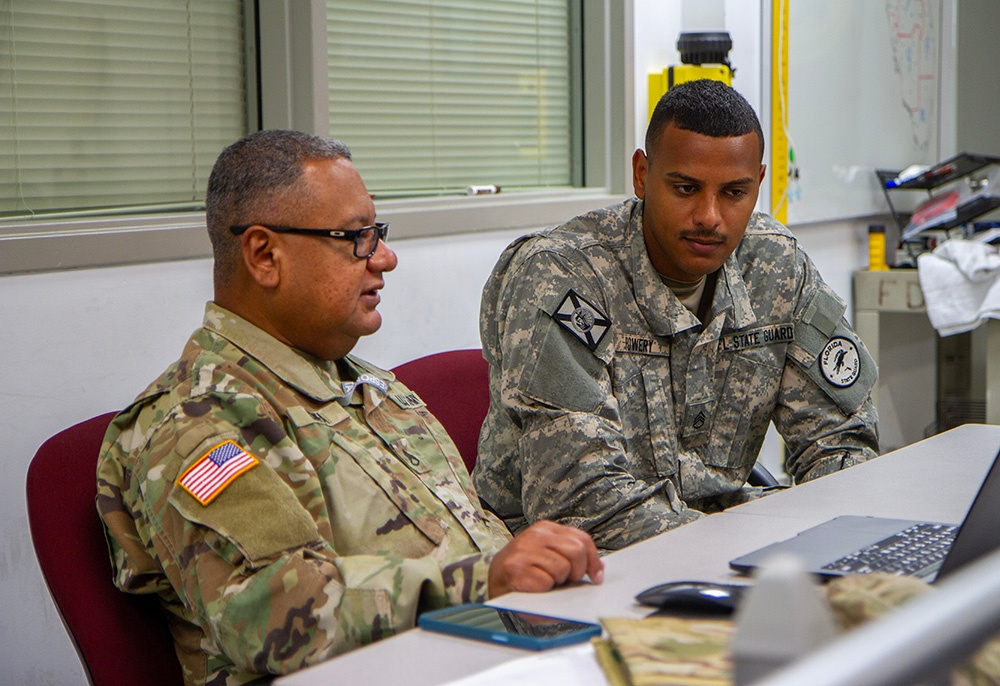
{"x":863,"y":83}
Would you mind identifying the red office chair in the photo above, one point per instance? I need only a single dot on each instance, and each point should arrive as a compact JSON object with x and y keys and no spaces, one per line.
{"x":121,"y":638}
{"x":456,"y":387}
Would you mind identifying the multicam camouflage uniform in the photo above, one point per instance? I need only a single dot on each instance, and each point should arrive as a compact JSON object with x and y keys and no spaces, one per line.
{"x":615,"y":411}
{"x":861,"y":598}
{"x":355,"y":513}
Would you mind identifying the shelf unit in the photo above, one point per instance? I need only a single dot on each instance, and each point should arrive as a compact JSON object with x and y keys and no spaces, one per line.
{"x":953,"y":392}
{"x":962,"y":165}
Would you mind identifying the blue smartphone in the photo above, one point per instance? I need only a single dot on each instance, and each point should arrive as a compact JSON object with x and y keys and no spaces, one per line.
{"x":508,"y":627}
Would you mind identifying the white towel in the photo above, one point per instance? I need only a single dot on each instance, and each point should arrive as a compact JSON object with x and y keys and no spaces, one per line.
{"x":960,"y":284}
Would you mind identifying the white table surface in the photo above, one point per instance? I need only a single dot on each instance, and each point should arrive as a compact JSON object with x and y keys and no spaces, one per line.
{"x":935,"y":480}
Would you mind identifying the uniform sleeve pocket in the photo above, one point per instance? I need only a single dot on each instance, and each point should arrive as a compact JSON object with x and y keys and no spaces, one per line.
{"x":256,"y":512}
{"x":831,"y":354}
{"x":742,"y":425}
{"x":563,"y":372}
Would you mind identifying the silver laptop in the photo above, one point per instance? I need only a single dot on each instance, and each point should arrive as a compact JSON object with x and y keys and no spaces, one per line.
{"x":862,"y":545}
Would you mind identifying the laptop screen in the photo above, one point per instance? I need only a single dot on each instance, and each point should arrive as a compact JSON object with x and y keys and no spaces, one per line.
{"x":979,"y":534}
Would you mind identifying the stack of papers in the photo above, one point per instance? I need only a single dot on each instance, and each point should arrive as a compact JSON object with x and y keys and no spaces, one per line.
{"x":572,"y":666}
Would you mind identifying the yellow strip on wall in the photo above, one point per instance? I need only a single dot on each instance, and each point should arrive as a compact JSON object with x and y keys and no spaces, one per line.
{"x":779,"y":111}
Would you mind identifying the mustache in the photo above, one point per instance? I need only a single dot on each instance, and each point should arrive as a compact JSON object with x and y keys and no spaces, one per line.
{"x":703,"y":235}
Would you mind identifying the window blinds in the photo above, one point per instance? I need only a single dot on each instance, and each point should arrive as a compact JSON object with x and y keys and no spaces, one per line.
{"x":433,"y":96}
{"x":113,"y":103}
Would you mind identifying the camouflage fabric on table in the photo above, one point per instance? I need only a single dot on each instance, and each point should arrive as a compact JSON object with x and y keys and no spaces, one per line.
{"x":610,"y":661}
{"x":614,"y":410}
{"x":864,"y":597}
{"x":859,"y":598}
{"x":667,"y":650}
{"x":286,"y":509}
{"x":660,"y":651}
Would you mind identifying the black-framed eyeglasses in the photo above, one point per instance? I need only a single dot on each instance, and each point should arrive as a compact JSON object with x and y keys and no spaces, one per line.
{"x":365,"y":239}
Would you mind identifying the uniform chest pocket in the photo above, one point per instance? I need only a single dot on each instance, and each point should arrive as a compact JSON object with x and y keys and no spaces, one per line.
{"x":651,"y":417}
{"x":642,"y":408}
{"x":404,"y":489}
{"x":747,"y":393}
{"x":408,"y":449}
{"x":356,"y":462}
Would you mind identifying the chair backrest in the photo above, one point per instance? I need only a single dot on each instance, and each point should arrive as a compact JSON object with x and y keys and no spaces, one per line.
{"x":455,"y":384}
{"x":456,"y":387}
{"x":121,"y":638}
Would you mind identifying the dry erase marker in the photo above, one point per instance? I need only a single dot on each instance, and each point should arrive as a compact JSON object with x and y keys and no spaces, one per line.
{"x":911,"y":172}
{"x":943,"y":170}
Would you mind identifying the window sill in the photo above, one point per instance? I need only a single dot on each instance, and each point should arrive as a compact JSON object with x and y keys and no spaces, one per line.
{"x":55,"y":245}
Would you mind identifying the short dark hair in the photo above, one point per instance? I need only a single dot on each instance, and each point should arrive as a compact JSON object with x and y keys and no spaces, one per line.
{"x":251,"y":182}
{"x":705,"y":106}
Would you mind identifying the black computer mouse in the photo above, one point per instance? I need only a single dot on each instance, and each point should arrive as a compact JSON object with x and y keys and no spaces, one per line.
{"x":693,"y":596}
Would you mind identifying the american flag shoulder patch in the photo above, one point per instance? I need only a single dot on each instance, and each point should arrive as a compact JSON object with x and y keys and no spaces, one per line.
{"x":215,"y":470}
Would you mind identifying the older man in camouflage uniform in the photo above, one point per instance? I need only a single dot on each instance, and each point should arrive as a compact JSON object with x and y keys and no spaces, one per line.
{"x":287,"y":501}
{"x":638,"y":352}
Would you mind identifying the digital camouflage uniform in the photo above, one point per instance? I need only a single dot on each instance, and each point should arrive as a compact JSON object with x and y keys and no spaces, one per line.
{"x":354,"y":514}
{"x":613,"y":410}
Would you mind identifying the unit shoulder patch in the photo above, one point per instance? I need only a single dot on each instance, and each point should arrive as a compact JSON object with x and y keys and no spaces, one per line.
{"x":840,"y":362}
{"x":582,"y":319}
{"x":215,"y":470}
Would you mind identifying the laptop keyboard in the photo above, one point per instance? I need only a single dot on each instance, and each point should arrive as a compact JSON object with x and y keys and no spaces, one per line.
{"x":916,"y":551}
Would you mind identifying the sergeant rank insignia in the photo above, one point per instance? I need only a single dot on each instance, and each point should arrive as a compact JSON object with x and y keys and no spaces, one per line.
{"x":582,"y":319}
{"x":840,"y":362}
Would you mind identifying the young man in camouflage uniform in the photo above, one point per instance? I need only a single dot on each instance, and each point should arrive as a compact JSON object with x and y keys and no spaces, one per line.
{"x":286,"y":501}
{"x":638,"y":352}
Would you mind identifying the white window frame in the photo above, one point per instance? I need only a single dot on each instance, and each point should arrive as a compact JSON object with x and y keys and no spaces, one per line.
{"x":293,"y":94}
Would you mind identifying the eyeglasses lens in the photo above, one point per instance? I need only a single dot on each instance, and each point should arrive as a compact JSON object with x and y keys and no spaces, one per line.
{"x":364,"y":244}
{"x":367,"y":241}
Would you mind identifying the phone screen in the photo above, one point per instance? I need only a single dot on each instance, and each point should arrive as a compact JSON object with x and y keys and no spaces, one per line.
{"x":511,"y":627}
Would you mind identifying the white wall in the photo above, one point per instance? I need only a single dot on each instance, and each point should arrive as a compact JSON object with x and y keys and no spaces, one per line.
{"x":76,"y":344}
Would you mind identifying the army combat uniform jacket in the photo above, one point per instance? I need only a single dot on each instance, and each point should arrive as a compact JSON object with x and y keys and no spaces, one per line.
{"x":286,"y":509}
{"x":614,"y":410}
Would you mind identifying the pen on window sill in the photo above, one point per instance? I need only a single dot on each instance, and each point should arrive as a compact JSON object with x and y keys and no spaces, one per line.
{"x":489,"y":189}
